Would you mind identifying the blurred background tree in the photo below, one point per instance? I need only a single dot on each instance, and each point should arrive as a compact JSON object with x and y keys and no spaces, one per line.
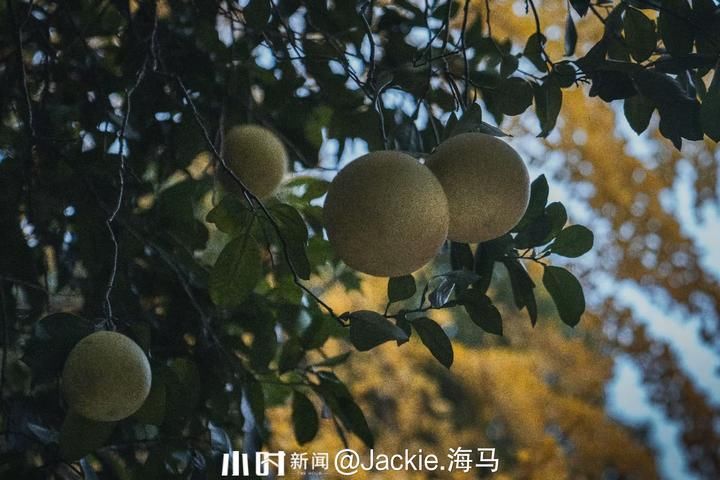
{"x":112,"y":113}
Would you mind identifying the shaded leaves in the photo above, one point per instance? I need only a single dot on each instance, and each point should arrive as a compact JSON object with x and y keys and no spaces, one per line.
{"x":573,"y":241}
{"x":370,"y":329}
{"x":638,"y":112}
{"x":482,"y":311}
{"x":710,"y":109}
{"x":236,"y":272}
{"x":338,"y":398}
{"x":435,"y":339}
{"x":401,"y":288}
{"x":639,"y":34}
{"x":80,"y":436}
{"x":566,"y":292}
{"x":304,"y":418}
{"x":548,"y":101}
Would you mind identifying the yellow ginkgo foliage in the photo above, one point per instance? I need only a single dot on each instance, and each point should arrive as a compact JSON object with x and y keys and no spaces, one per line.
{"x":538,"y":401}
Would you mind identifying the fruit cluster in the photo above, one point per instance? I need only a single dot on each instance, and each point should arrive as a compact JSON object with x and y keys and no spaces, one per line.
{"x":387,"y":214}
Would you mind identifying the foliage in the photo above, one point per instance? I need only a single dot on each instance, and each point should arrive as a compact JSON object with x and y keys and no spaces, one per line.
{"x":110,"y":218}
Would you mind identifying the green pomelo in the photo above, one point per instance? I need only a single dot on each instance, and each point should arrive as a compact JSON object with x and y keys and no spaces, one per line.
{"x":386,"y":214}
{"x":257,"y":157}
{"x":486,"y":183}
{"x":106,"y":377}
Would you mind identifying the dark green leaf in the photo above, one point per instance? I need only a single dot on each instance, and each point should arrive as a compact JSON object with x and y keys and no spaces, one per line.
{"x":338,"y":398}
{"x":454,"y":281}
{"x":231,"y":215}
{"x":290,"y":355}
{"x":580,"y":6}
{"x":679,"y":113}
{"x":295,"y":233}
{"x":471,"y":121}
{"x":558,"y":218}
{"x":257,"y":13}
{"x":441,"y":294}
{"x":370,"y":329}
{"x":435,"y":339}
{"x":639,"y":34}
{"x":452,"y":121}
{"x":681,"y":122}
{"x":304,"y":418}
{"x":659,"y":88}
{"x":275,"y":392}
{"x":571,"y":36}
{"x":706,"y":23}
{"x":638,"y":111}
{"x":152,"y":411}
{"x":548,"y":100}
{"x":80,"y":436}
{"x":614,"y":23}
{"x":678,"y":65}
{"x":484,"y":266}
{"x":676,"y":30}
{"x":236,"y":272}
{"x":183,"y":386}
{"x":534,"y":51}
{"x":534,"y":233}
{"x":259,"y":322}
{"x":573,"y":241}
{"x":509,"y":65}
{"x":313,"y":187}
{"x":175,"y":213}
{"x":404,"y":324}
{"x":523,"y":288}
{"x":482,"y":312}
{"x":565,"y":74}
{"x":539,"y":191}
{"x":334,"y":361}
{"x":512,"y":96}
{"x":566,"y":292}
{"x":710,"y":109}
{"x":461,"y":257}
{"x":609,"y":84}
{"x":317,"y":332}
{"x":401,"y":288}
{"x":53,"y":338}
{"x":406,"y":136}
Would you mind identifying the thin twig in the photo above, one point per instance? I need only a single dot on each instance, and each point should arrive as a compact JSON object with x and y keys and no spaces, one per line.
{"x":371,"y":42}
{"x":121,"y":190}
{"x":463,"y":47}
{"x":487,"y":18}
{"x":29,"y":123}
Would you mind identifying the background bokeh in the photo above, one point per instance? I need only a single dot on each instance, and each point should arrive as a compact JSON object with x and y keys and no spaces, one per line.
{"x":633,"y":391}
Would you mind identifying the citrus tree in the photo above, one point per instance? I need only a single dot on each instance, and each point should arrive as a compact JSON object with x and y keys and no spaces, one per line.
{"x":123,"y":209}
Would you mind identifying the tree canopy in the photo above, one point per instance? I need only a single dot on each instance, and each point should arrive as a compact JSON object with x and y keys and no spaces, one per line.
{"x":112,"y":217}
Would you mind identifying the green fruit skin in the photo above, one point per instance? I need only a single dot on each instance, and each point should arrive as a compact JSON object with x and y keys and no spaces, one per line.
{"x":487,"y":186}
{"x":106,"y":377}
{"x":386,"y":214}
{"x":258,"y":158}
